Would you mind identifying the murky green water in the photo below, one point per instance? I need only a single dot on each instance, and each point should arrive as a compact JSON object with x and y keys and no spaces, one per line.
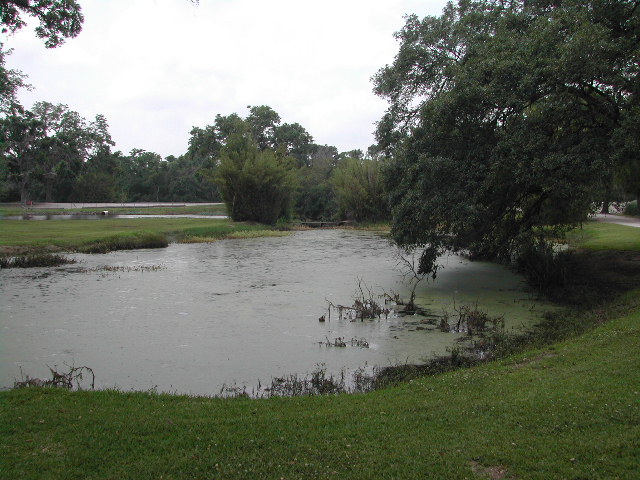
{"x":231,"y":312}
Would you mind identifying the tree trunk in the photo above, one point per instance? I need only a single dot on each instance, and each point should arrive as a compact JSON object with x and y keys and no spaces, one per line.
{"x":24,"y":193}
{"x":48,"y":189}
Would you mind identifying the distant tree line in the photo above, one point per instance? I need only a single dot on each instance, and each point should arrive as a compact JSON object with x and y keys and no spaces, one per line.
{"x":262,"y":168}
{"x":508,"y":121}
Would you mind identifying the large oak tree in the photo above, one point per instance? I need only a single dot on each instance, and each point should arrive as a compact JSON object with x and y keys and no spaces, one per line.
{"x":502,"y":118}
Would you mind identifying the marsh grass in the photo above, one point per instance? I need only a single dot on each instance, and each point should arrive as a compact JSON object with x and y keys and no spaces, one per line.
{"x":204,"y":236}
{"x":318,"y":382}
{"x":258,"y":233}
{"x":70,"y":378}
{"x":126,"y":268}
{"x":37,"y":260}
{"x":129,"y":241}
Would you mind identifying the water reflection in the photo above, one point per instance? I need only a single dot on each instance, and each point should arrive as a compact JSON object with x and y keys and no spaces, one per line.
{"x":234,"y":311}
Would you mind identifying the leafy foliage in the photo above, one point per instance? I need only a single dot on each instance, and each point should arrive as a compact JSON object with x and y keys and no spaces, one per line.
{"x":502,"y":118}
{"x":49,"y":143}
{"x":256,"y":185}
{"x":315,"y":198}
{"x":58,"y":19}
{"x":359,"y":190}
{"x":10,"y":82}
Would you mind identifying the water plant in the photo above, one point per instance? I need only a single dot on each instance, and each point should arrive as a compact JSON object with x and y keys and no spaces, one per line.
{"x":408,"y":261}
{"x":127,"y":268}
{"x":36,"y":260}
{"x":71,"y":379}
{"x":473,"y":320}
{"x":341,"y":342}
{"x":365,"y":306}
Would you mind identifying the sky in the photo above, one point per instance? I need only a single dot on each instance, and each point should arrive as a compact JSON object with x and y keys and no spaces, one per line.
{"x":157,"y":68}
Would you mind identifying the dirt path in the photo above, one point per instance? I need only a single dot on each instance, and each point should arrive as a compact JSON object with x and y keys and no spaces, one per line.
{"x":619,"y":219}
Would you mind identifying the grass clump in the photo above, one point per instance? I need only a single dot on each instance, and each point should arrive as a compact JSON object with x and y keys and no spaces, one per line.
{"x":225,"y":230}
{"x":544,"y":266}
{"x":37,"y":260}
{"x":258,"y":233}
{"x":130,"y":241}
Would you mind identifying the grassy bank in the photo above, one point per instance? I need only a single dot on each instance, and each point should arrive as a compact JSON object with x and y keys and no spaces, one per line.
{"x":569,"y":409}
{"x":605,"y":236}
{"x":191,"y":209}
{"x":18,"y":236}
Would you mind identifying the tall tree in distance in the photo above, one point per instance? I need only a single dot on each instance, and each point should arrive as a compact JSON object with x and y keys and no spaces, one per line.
{"x":316,"y":195}
{"x":359,"y":189}
{"x":263,"y":121}
{"x":256,"y":185}
{"x":21,"y":135}
{"x":47,"y":141}
{"x":294,"y":140}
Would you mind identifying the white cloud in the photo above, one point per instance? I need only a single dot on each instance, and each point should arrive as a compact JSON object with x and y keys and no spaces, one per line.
{"x":156,"y":68}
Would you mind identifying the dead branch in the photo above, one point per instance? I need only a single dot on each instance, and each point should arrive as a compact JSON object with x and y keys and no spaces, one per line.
{"x":69,"y":380}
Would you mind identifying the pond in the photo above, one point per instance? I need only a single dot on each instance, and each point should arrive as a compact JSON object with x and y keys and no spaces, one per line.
{"x":194,"y":317}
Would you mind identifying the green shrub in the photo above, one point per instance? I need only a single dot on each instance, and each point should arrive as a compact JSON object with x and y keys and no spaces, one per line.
{"x":257,"y":186}
{"x":543,"y":265}
{"x":631,"y":208}
{"x":359,"y":190}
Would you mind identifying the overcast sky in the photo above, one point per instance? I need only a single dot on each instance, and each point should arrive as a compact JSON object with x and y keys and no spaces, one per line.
{"x":156,"y":68}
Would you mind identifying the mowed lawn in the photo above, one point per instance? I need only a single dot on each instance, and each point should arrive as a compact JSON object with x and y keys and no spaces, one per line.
{"x":71,"y":233}
{"x":606,"y":236}
{"x":187,"y":209}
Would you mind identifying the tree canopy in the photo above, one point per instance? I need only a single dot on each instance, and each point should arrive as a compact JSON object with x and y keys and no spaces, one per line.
{"x":257,"y":185}
{"x":58,"y":19}
{"x":503,"y":118}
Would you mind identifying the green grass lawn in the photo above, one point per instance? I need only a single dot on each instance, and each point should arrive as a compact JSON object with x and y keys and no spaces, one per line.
{"x":72,"y":234}
{"x":605,"y":236}
{"x":218,"y":209}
